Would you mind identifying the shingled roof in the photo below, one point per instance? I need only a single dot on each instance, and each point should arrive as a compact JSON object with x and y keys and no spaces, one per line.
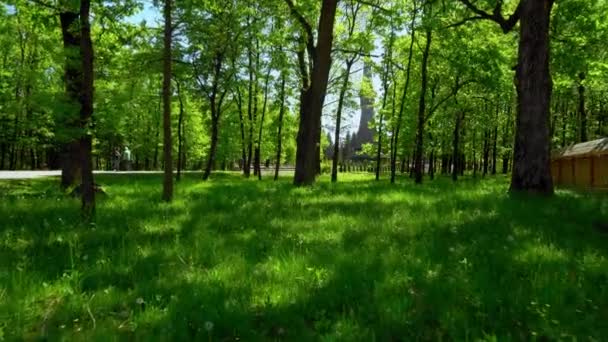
{"x":594,"y":147}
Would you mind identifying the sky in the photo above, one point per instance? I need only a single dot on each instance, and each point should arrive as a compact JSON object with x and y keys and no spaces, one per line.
{"x":149,"y":13}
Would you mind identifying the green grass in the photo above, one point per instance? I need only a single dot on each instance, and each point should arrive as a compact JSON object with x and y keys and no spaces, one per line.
{"x":263,"y":261}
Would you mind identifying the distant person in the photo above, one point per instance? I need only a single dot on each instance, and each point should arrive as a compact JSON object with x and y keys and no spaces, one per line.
{"x":116,"y":159}
{"x":127,"y":158}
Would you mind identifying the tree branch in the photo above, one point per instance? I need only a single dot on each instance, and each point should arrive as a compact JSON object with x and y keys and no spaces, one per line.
{"x":505,"y":24}
{"x":373,"y":5}
{"x":359,"y":52}
{"x":454,"y":91}
{"x":310,"y":44}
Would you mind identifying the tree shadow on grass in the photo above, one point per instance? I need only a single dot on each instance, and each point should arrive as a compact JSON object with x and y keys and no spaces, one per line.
{"x":266,"y":261}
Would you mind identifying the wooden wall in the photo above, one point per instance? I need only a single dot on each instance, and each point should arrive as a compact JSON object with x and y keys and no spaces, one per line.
{"x":581,"y":172}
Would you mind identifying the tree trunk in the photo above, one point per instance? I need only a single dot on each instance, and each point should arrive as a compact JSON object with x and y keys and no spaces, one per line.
{"x":418,"y":167}
{"x":69,"y":150}
{"x":456,"y":147}
{"x":506,"y":141}
{"x":474,"y":156}
{"x":256,"y":152}
{"x":280,"y":129}
{"x":156,"y":138}
{"x":486,"y":151}
{"x":581,"y":107}
{"x":259,"y":142}
{"x":167,"y":141}
{"x":531,"y":160}
{"x":180,"y":132}
{"x":403,"y":99}
{"x":239,"y":102}
{"x":250,"y":95}
{"x":388,"y":71}
{"x":432,"y":165}
{"x":494,"y":149}
{"x":86,"y":113}
{"x":343,"y":90}
{"x":307,"y":155}
{"x":381,"y":121}
{"x":213,"y":148}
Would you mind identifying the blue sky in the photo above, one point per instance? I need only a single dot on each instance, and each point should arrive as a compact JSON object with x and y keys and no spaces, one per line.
{"x":149,"y":13}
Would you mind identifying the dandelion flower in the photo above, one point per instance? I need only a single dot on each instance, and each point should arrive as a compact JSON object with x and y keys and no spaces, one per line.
{"x":208,"y":326}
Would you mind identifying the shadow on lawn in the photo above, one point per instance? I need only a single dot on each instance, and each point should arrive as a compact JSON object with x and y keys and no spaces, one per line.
{"x":467,"y":264}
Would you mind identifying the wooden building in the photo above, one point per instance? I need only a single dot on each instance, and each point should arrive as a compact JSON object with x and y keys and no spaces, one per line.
{"x":583,"y":165}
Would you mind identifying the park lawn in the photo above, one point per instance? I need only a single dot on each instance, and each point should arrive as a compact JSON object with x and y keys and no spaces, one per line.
{"x":233,"y":259}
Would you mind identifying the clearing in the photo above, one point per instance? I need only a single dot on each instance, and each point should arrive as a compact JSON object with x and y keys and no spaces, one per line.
{"x":359,"y":260}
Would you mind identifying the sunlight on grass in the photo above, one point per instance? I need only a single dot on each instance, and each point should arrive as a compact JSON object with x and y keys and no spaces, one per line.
{"x":356,"y":260}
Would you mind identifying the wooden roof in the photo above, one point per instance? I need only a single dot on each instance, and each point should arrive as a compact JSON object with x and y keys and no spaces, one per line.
{"x":594,"y":147}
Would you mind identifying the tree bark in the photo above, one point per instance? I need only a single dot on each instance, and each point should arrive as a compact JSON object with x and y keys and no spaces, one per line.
{"x":213,"y":148}
{"x":456,"y":147}
{"x":343,"y":90}
{"x":167,"y":141}
{"x":280,"y":129}
{"x":180,"y":132}
{"x":581,"y":107}
{"x":418,"y":167}
{"x":239,"y":103}
{"x":256,"y":152}
{"x":486,"y":151}
{"x":432,"y":165}
{"x":494,"y":149}
{"x":157,"y":133}
{"x":531,"y":156}
{"x":69,"y":146}
{"x":215,"y":104}
{"x":259,"y":142}
{"x":531,"y":161}
{"x":307,"y":156}
{"x":250,"y":94}
{"x":86,"y":113}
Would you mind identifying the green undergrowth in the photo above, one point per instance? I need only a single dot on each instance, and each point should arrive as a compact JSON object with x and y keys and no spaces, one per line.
{"x":234,"y":259}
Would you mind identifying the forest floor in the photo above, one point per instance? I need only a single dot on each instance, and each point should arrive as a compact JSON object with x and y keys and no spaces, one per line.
{"x":234,"y":259}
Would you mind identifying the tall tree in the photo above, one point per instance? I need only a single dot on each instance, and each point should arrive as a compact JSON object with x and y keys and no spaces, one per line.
{"x":418,"y":154}
{"x":397,"y":128}
{"x":71,"y":35}
{"x":352,"y":9}
{"x":313,"y":96}
{"x":86,"y":112}
{"x":167,"y":141}
{"x":531,"y":159}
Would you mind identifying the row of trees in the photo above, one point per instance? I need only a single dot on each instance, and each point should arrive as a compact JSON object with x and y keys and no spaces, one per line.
{"x":223,"y":83}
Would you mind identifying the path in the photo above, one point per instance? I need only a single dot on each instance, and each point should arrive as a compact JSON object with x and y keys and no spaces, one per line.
{"x":6,"y":175}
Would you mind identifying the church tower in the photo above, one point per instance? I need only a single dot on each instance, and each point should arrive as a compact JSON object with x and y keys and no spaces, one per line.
{"x":364,"y":134}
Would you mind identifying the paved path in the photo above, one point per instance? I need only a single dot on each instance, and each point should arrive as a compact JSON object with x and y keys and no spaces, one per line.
{"x":5,"y":175}
{"x":57,"y":173}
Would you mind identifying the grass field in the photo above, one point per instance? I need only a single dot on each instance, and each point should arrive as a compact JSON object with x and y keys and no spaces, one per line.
{"x":235,"y":259}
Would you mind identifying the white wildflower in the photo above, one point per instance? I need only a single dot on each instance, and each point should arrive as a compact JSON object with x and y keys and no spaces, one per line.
{"x":208,"y":326}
